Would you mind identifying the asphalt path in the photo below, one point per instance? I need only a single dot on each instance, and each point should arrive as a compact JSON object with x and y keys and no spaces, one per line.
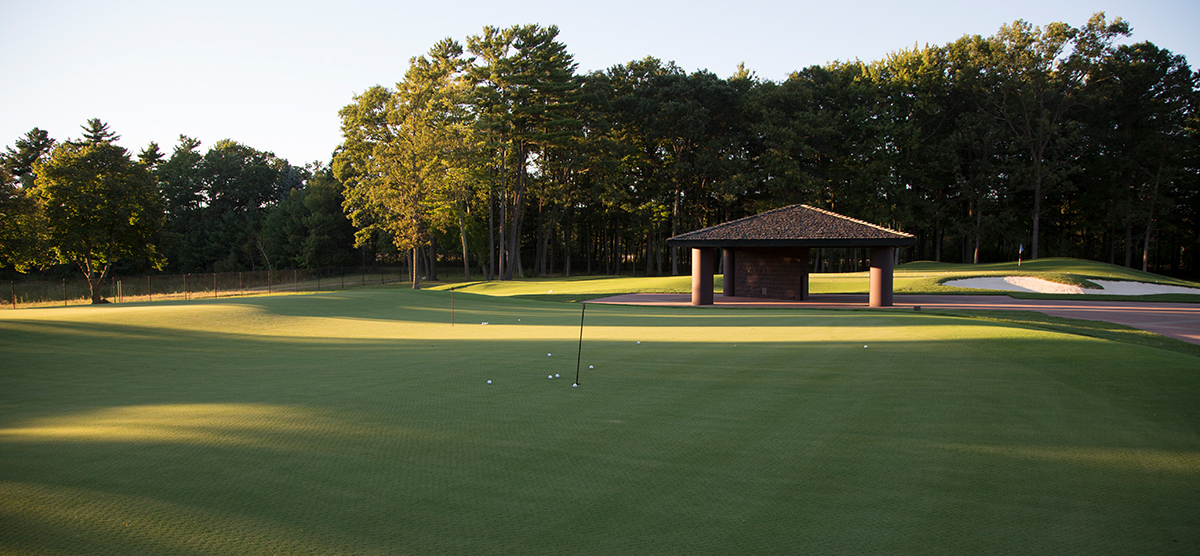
{"x":1176,"y":320}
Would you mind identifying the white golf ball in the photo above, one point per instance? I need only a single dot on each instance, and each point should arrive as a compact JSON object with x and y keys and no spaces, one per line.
{"x":864,"y":347}
{"x":576,"y":385}
{"x":489,"y":382}
{"x":590,"y":367}
{"x":551,"y":377}
{"x":547,"y":355}
{"x":639,"y":342}
{"x":555,"y":375}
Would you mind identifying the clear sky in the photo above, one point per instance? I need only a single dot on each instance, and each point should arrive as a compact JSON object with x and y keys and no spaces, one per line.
{"x":273,"y":74}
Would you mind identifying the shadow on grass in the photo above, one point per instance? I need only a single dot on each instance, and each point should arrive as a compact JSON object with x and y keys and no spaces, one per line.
{"x":1091,"y":328}
{"x":131,"y":439}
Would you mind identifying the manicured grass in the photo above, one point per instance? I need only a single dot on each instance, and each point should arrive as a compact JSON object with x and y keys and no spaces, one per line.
{"x":360,"y":422}
{"x":1092,"y":328}
{"x":575,"y":288}
{"x":923,"y":277}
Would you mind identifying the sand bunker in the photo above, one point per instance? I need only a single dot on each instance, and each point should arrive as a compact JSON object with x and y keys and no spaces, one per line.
{"x":1037,"y":285}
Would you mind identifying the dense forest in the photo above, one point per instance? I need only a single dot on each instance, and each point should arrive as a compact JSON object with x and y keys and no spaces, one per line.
{"x":496,"y":158}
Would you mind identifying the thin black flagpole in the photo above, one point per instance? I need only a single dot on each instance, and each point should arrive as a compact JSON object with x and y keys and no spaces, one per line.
{"x":451,"y":306}
{"x":579,"y":356}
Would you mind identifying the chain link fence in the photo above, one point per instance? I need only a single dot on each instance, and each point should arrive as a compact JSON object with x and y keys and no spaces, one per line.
{"x":125,"y":289}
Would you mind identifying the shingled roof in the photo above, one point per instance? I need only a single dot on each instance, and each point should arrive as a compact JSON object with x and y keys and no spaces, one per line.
{"x":794,"y":226}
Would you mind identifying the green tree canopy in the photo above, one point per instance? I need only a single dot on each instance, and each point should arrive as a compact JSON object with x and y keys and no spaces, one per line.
{"x":99,"y":205}
{"x":402,"y":147}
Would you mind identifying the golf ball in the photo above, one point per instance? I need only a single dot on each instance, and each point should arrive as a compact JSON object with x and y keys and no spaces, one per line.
{"x":551,"y":377}
{"x":590,"y":367}
{"x":576,"y":385}
{"x":547,"y":355}
{"x":864,"y":347}
{"x":639,"y":342}
{"x":555,"y":375}
{"x":489,"y":382}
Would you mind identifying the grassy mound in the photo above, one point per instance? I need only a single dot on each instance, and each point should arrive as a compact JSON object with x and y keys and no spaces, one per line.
{"x":361,"y":422}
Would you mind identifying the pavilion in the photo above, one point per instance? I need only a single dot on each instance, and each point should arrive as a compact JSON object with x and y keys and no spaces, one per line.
{"x":767,"y":255}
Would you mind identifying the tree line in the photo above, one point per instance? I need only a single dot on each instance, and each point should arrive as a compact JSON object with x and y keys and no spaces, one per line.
{"x":90,"y":204}
{"x":1035,"y":141}
{"x":496,"y":155}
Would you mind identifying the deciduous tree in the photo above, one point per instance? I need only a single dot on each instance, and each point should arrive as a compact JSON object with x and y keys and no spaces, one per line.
{"x":99,"y":206}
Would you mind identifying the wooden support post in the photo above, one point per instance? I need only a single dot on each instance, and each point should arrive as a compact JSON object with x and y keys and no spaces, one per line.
{"x":702,"y":276}
{"x":803,"y":254}
{"x":728,"y":261}
{"x":882,"y":263}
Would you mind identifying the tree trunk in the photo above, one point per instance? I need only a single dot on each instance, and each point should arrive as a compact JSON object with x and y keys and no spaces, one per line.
{"x":551,"y":243}
{"x":95,"y":283}
{"x":978,"y":232}
{"x":616,"y":252}
{"x":462,"y":234}
{"x":674,"y":232}
{"x":415,"y":257}
{"x":432,"y":251}
{"x":1111,"y":239}
{"x":539,"y":246}
{"x":937,"y":240}
{"x":604,"y":252}
{"x":491,"y":266}
{"x":515,"y":231}
{"x":649,"y":252}
{"x":1128,"y":244}
{"x":1150,"y":223}
{"x":504,"y":261}
{"x":1037,"y":208}
{"x":518,"y":264}
{"x":96,"y":288}
{"x":567,"y":248}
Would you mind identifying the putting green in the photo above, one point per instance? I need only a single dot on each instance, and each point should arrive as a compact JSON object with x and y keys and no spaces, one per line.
{"x":361,"y":422}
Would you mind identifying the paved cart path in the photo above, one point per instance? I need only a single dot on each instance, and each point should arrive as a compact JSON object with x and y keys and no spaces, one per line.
{"x":1176,"y":320}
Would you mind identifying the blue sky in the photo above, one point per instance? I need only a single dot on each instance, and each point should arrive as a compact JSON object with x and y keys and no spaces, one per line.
{"x":273,"y":75}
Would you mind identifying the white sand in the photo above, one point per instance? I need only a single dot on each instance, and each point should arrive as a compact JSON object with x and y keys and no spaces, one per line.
{"x":1037,"y":285}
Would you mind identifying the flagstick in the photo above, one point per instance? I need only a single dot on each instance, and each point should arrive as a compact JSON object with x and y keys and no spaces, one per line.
{"x":579,"y":356}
